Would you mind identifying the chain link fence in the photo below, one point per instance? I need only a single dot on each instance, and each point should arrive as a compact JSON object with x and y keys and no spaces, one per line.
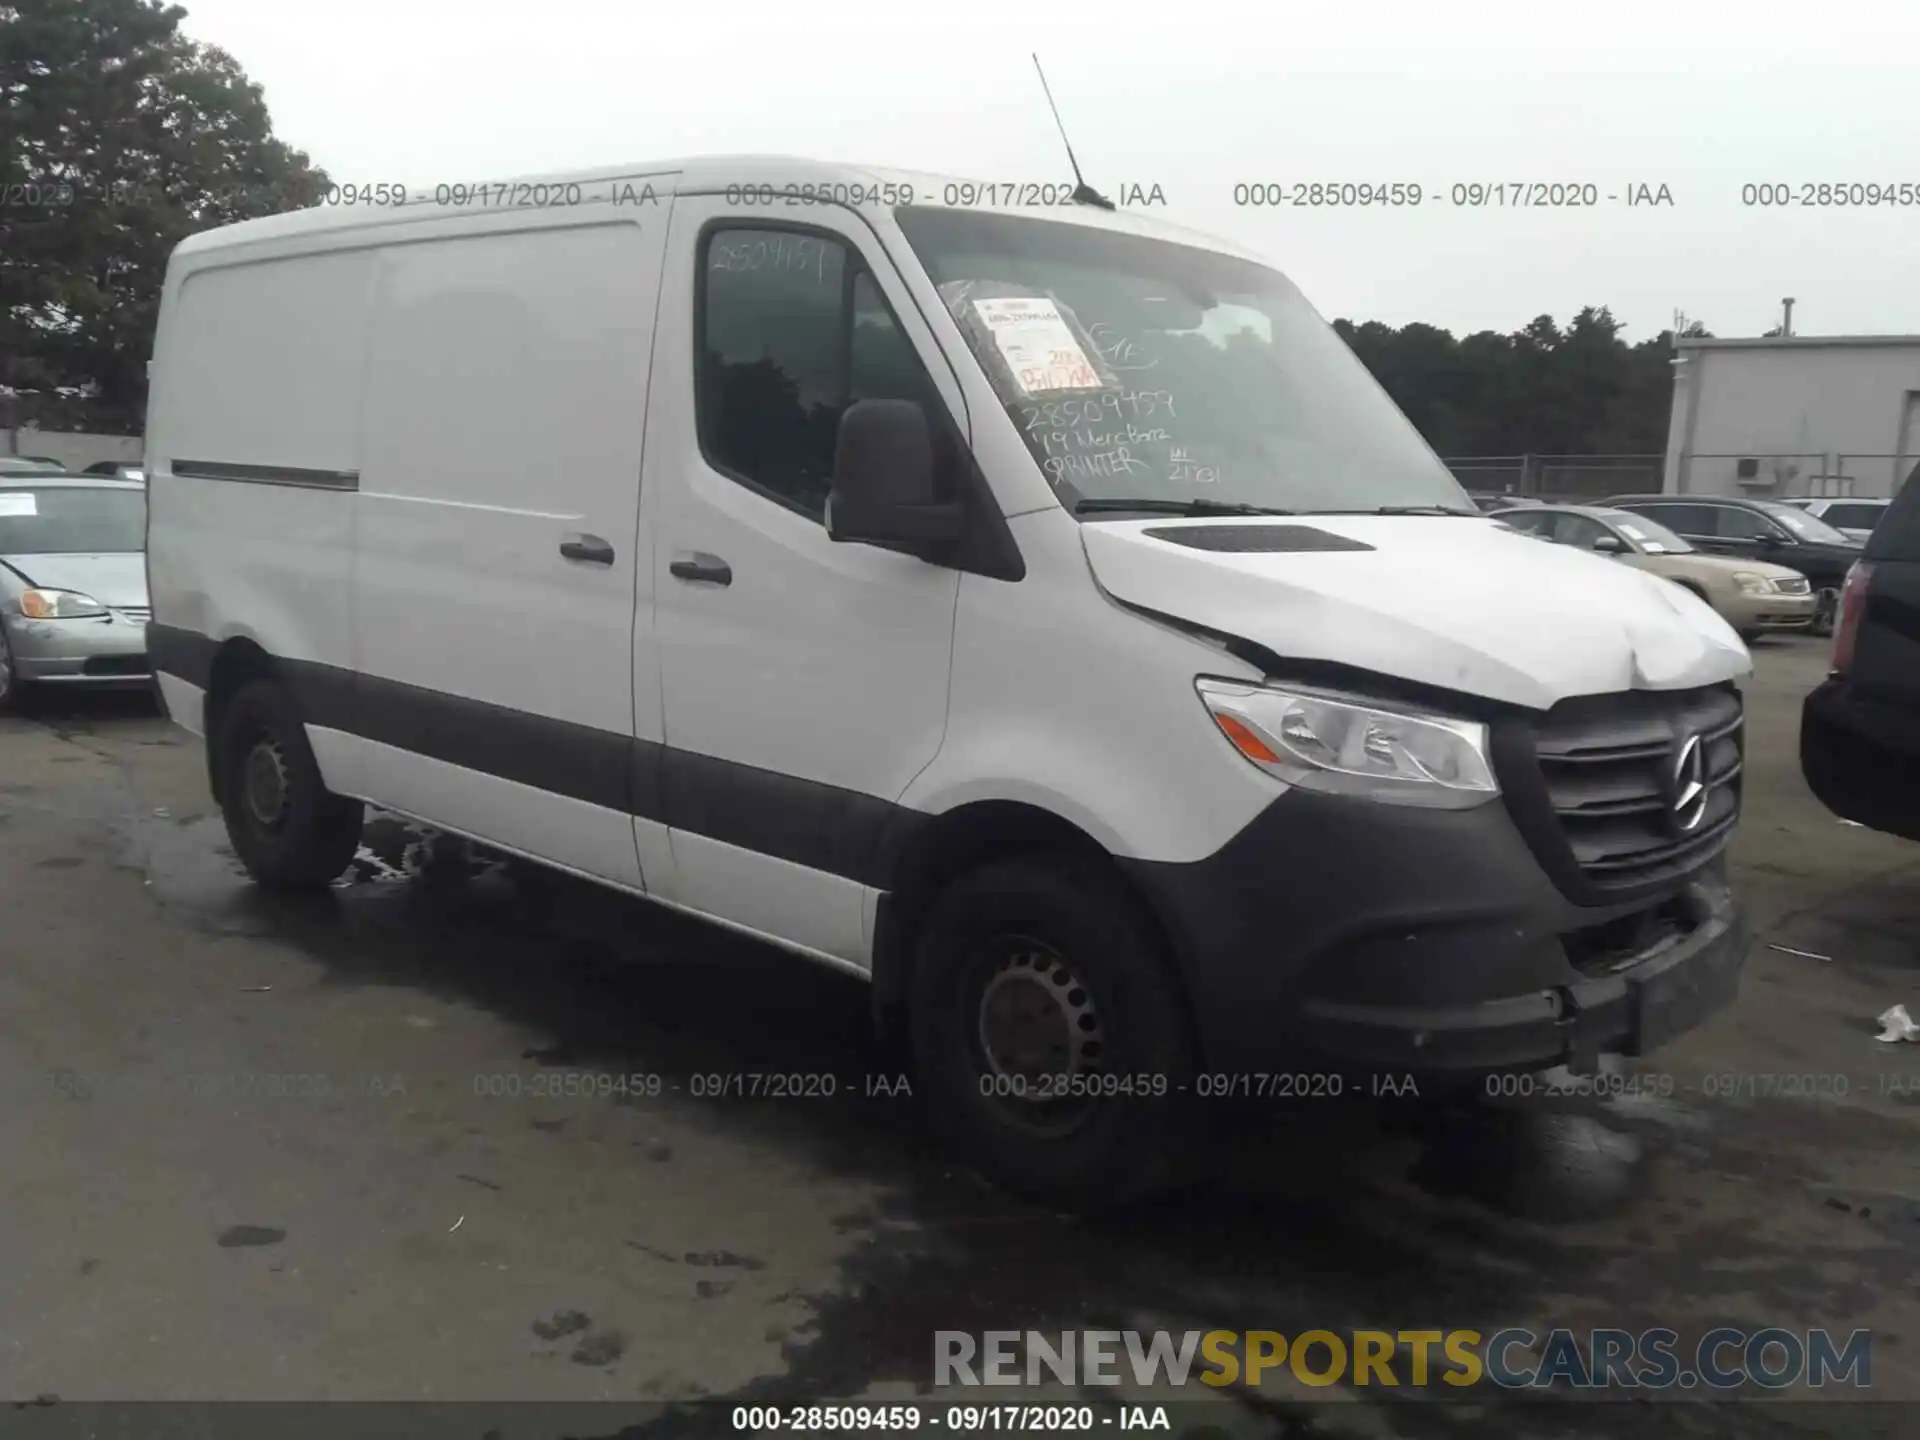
{"x":1560,"y":477}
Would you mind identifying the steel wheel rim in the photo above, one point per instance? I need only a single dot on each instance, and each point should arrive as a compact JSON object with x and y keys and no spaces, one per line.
{"x":1034,"y":1025}
{"x":264,"y":783}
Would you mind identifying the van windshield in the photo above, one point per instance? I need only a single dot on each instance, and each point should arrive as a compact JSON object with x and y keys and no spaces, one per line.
{"x":1140,"y":369}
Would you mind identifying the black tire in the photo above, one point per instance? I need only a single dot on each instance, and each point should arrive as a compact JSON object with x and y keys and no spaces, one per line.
{"x":10,"y":682}
{"x":1826,"y":611}
{"x":289,"y":830}
{"x":1055,"y":940}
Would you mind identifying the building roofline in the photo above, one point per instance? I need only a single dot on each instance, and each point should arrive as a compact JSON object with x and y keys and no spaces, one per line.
{"x":1790,"y":342}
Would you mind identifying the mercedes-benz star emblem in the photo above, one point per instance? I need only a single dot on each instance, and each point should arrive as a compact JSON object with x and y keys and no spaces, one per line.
{"x":1689,"y":793}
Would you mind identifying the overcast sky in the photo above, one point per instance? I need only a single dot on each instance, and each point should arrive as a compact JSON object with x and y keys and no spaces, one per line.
{"x":1198,"y":97}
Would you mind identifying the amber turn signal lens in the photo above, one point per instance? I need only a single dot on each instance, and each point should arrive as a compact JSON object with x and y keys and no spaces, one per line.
{"x":1244,"y":740}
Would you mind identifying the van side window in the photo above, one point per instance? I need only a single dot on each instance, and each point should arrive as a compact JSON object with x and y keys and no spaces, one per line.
{"x":792,"y":331}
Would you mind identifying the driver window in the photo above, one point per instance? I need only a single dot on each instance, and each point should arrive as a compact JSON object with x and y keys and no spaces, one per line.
{"x":792,"y":331}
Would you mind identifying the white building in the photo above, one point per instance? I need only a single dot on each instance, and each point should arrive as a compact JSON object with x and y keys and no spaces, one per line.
{"x":1797,"y":415}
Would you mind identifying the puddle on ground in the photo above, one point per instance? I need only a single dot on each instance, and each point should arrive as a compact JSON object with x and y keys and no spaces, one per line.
{"x":1332,"y":1220}
{"x":192,"y":870}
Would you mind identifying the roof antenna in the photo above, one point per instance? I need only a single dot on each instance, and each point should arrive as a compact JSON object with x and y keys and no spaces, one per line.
{"x":1083,"y":193}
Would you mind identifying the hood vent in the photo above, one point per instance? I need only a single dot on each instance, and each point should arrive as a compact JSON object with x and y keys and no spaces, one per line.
{"x":1254,"y":539}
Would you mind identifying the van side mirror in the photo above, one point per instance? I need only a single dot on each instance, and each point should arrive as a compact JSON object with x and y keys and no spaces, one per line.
{"x":1610,"y":545}
{"x":883,"y":480}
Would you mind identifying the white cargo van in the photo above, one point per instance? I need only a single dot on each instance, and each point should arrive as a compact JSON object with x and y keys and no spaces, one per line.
{"x":1039,"y":611}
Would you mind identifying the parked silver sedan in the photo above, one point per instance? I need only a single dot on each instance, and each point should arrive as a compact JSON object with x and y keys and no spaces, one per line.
{"x":73,"y":582}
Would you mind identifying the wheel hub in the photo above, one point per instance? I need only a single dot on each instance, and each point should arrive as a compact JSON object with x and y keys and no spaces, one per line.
{"x":1037,"y":1019}
{"x":266,"y":786}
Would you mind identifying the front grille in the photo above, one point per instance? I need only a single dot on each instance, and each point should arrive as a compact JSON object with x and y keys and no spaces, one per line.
{"x":1793,"y":585}
{"x":1592,"y":784}
{"x":139,"y":613}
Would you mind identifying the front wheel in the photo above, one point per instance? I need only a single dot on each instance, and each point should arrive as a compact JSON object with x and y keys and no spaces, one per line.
{"x":289,"y":830}
{"x":1050,"y":1034}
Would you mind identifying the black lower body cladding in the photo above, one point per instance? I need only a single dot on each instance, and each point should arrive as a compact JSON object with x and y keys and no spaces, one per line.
{"x":1357,"y":935}
{"x":1862,"y":758}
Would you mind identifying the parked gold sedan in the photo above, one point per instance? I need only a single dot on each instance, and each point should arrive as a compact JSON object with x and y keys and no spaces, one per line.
{"x":1753,"y":596}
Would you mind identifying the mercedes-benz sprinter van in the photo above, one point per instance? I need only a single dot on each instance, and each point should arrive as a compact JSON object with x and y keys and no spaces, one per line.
{"x":1038,"y":611}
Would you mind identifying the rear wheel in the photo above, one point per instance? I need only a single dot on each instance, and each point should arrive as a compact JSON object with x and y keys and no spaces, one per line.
{"x":1050,"y":1034}
{"x":289,"y":830}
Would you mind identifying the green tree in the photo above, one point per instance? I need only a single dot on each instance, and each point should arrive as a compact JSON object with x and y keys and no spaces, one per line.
{"x":1541,"y":389}
{"x":119,"y":137}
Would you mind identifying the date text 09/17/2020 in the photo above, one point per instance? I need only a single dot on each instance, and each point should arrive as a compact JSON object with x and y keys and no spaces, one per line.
{"x":954,"y":1419}
{"x":1465,"y":194}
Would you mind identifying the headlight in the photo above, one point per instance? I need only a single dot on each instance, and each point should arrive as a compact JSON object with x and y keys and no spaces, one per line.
{"x":1752,"y":583}
{"x":1346,"y":746}
{"x":58,"y":605}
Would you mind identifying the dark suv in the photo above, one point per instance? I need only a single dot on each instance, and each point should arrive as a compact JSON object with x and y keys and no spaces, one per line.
{"x":1860,"y":731}
{"x":1759,"y":530}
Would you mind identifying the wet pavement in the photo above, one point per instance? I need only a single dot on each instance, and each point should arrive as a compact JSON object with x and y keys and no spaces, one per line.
{"x":454,"y":1134}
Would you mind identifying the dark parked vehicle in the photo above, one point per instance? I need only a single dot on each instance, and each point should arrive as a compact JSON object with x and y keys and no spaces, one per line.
{"x":1769,"y":530}
{"x":1860,"y":730}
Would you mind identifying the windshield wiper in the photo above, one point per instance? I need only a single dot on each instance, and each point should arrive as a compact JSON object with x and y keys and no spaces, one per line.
{"x":1152,"y":506}
{"x":1399,"y":510}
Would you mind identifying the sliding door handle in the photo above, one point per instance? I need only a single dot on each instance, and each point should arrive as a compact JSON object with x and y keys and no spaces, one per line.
{"x":702,"y":568}
{"x":590,"y":548}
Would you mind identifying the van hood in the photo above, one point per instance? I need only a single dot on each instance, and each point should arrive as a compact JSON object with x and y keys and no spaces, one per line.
{"x":116,"y":580}
{"x":1458,"y":602}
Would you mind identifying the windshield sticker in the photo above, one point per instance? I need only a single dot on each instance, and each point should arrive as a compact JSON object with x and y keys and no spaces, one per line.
{"x":1037,"y":345}
{"x":17,"y":504}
